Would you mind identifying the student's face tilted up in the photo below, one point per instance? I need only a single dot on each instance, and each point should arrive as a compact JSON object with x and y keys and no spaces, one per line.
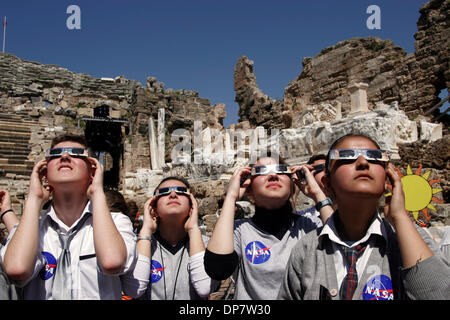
{"x":172,"y":204}
{"x":270,"y":191}
{"x":68,"y":169}
{"x":360,"y":177}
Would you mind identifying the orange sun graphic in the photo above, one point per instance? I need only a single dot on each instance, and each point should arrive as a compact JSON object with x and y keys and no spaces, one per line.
{"x":418,"y":192}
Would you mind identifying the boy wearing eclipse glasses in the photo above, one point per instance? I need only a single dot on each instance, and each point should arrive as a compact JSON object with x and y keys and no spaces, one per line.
{"x":77,"y":249}
{"x":359,"y":254}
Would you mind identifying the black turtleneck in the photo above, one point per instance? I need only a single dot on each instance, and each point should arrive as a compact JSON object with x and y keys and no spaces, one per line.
{"x":275,"y":222}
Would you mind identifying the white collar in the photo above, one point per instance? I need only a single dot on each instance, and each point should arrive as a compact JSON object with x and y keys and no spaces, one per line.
{"x":50,"y":213}
{"x":375,"y":228}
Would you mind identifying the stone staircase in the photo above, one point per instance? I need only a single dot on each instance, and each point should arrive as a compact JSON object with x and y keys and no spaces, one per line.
{"x":15,"y":132}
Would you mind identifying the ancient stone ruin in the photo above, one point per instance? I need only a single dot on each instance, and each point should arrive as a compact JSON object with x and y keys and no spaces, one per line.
{"x":413,"y":80}
{"x":144,"y":133}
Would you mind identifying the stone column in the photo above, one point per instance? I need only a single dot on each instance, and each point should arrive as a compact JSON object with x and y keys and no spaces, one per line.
{"x":358,"y":97}
{"x":206,"y":145}
{"x":217,"y":146}
{"x":153,"y":145}
{"x":338,"y":110}
{"x":258,"y":144}
{"x":198,"y":141}
{"x":229,"y":146}
{"x":161,"y":147}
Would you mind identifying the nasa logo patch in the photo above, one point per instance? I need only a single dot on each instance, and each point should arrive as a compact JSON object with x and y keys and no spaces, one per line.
{"x":157,"y":271}
{"x":257,"y":253}
{"x":50,"y":266}
{"x":378,"y":288}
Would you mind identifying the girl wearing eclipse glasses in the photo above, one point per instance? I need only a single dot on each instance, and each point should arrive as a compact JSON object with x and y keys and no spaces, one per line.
{"x":171,"y":247}
{"x":257,"y":249}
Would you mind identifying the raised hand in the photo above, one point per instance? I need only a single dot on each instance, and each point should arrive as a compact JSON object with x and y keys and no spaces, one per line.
{"x":150,"y":223}
{"x":192,"y":220}
{"x":38,"y":189}
{"x":5,"y":201}
{"x":236,"y":190}
{"x":97,"y":177}
{"x":395,"y":203}
{"x":309,"y":185}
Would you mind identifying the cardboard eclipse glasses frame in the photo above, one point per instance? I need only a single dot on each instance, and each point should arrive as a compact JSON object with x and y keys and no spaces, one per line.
{"x":353,"y":154}
{"x":167,"y":190}
{"x":73,"y":152}
{"x":275,"y":168}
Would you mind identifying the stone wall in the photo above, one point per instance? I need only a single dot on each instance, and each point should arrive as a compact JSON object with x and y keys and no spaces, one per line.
{"x":327,"y":78}
{"x":432,"y":57}
{"x":255,"y":106}
{"x":414,"y":80}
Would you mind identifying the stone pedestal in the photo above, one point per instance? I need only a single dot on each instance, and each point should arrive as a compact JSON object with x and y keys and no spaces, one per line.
{"x":358,"y":97}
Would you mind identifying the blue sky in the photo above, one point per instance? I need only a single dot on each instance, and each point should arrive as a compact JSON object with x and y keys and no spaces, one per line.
{"x":194,"y":44}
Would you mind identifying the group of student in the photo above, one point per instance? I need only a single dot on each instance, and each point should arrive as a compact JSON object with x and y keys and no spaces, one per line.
{"x":342,"y":249}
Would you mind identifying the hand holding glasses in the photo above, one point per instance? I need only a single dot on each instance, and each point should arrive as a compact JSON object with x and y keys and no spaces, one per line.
{"x":315,"y":169}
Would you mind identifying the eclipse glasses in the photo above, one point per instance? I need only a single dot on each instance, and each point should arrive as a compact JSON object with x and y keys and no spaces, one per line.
{"x":58,"y":152}
{"x":275,"y":168}
{"x":167,"y":190}
{"x":353,"y":154}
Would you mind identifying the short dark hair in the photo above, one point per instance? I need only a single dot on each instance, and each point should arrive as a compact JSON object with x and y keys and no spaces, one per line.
{"x":317,"y":157}
{"x":69,"y":137}
{"x":116,"y":201}
{"x":339,"y":140}
{"x":133,"y":209}
{"x":274,"y":155}
{"x":182,"y":180}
